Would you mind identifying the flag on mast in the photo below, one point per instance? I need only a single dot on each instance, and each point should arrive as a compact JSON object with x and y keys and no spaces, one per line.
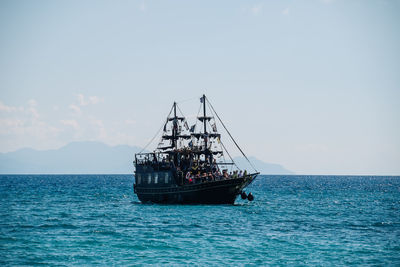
{"x":214,"y":127}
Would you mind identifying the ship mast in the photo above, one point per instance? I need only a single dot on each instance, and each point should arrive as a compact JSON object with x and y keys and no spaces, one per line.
{"x":187,"y":149}
{"x":174,"y":128}
{"x":204,"y":122}
{"x":207,"y":153}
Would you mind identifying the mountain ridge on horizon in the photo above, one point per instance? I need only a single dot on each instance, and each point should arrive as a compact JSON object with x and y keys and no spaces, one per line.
{"x":92,"y":157}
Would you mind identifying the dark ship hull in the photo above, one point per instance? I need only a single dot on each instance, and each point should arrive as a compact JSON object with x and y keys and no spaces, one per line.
{"x":214,"y":192}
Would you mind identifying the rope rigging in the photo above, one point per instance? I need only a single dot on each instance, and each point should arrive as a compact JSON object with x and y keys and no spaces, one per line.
{"x":229,"y":155}
{"x":152,"y":139}
{"x":231,"y":136}
{"x":212,"y":126}
{"x":223,"y":146}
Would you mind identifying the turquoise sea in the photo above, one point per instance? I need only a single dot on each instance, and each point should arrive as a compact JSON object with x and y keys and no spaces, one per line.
{"x":294,"y":220}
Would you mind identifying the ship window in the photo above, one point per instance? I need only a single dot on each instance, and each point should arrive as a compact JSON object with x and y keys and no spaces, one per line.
{"x":156,"y":178}
{"x":149,"y":178}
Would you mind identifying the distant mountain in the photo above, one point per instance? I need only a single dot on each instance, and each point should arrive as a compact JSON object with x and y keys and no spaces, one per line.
{"x":93,"y":158}
{"x":262,"y":167}
{"x":74,"y":158}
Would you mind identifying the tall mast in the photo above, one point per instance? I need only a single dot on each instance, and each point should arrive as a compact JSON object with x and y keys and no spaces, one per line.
{"x":204,"y":121}
{"x":207,"y":155}
{"x":174,"y":126}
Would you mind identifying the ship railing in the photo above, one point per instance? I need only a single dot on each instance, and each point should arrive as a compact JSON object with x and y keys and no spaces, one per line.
{"x":150,"y":157}
{"x":158,"y":161}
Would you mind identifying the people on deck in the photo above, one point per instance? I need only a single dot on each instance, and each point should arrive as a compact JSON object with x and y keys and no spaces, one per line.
{"x":192,"y":169}
{"x":189,"y":177}
{"x":235,"y":175}
{"x":210,"y":177}
{"x":197,"y":178}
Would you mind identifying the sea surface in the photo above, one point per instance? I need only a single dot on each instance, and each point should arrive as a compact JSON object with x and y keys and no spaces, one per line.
{"x":294,"y":220}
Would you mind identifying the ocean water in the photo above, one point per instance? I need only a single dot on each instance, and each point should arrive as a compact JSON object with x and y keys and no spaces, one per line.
{"x":294,"y":220}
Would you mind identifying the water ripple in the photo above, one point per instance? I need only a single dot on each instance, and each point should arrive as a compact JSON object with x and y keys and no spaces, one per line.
{"x":294,"y":220}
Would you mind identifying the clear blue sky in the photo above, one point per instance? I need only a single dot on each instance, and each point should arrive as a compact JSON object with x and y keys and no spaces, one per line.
{"x":311,"y":85}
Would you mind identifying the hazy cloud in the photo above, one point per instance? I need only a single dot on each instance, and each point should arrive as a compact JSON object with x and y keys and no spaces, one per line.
{"x":75,"y":108}
{"x":96,"y":122}
{"x":256,"y":9}
{"x":5,"y":108}
{"x":7,"y":124}
{"x":81,"y":100}
{"x":94,"y":99}
{"x":32,"y":102}
{"x":84,"y":101}
{"x":285,"y":11}
{"x":32,"y":109}
{"x":72,"y":123}
{"x":99,"y":127}
{"x":22,"y":126}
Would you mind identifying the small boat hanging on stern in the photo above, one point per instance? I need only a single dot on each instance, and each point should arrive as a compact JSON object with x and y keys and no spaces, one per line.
{"x":188,"y":166}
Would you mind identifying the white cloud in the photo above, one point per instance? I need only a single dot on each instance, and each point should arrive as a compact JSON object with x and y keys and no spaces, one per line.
{"x":9,"y":109}
{"x":7,"y":124}
{"x":86,"y":127}
{"x":73,"y":123}
{"x":99,"y":127}
{"x":22,"y":127}
{"x":84,"y":101}
{"x":285,"y":11}
{"x":118,"y":138}
{"x":32,"y":109}
{"x":81,"y":100}
{"x":26,"y":126}
{"x":102,"y":133}
{"x":75,"y":108}
{"x":257,"y":9}
{"x":32,"y":103}
{"x":34,"y":113}
{"x":94,"y":100}
{"x":96,"y":122}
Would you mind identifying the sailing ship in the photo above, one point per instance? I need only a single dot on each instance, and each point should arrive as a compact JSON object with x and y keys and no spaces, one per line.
{"x":188,"y":166}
